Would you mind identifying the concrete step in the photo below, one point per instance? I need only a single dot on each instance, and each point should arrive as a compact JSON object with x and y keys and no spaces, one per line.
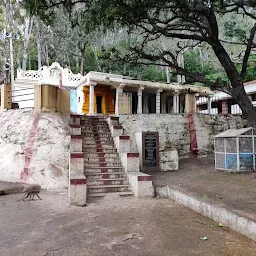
{"x":97,"y":135}
{"x":89,"y":150}
{"x":96,"y":127}
{"x":102,"y":164}
{"x":100,"y":175}
{"x":101,"y":182}
{"x":96,"y":146}
{"x":97,"y":142}
{"x":94,"y":132}
{"x":98,"y":160}
{"x":107,"y":188}
{"x":93,"y":120}
{"x":103,"y":123}
{"x":97,"y":196}
{"x":107,"y":156}
{"x":103,"y":169}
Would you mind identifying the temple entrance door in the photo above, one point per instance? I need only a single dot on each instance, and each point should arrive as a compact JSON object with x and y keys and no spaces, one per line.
{"x":99,"y":104}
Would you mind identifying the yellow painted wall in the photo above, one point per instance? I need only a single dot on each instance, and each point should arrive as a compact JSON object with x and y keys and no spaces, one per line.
{"x":108,"y":98}
{"x":51,"y":97}
{"x":6,"y":96}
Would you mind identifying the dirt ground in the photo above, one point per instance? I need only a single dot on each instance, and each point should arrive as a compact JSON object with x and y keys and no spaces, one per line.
{"x":112,"y":226}
{"x":234,"y":191}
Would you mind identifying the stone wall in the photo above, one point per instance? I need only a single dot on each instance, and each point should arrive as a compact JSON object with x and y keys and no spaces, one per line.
{"x":34,"y":144}
{"x":174,"y":132}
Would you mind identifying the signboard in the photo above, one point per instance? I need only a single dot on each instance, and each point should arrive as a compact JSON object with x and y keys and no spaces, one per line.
{"x":150,"y":151}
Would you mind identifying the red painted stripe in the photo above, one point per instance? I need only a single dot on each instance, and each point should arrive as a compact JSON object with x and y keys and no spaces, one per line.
{"x":77,"y":155}
{"x":144,"y":178}
{"x":78,"y":181}
{"x":224,"y":107}
{"x":76,"y":137}
{"x":192,"y":133}
{"x":118,"y":127}
{"x":124,"y":137}
{"x":75,"y":126}
{"x":114,"y":118}
{"x":133,"y":154}
{"x":75,"y":116}
{"x":29,"y":150}
{"x":105,"y":176}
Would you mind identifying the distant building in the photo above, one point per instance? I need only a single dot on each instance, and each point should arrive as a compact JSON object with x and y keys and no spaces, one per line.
{"x":222,"y":103}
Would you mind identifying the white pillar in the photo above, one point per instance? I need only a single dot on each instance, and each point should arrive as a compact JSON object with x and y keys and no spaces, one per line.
{"x":209,"y":105}
{"x":158,"y":102}
{"x":163,"y":103}
{"x":177,"y":103}
{"x":139,"y":93}
{"x":91,"y":106}
{"x":119,"y":90}
{"x":145,"y":104}
{"x":174,"y":104}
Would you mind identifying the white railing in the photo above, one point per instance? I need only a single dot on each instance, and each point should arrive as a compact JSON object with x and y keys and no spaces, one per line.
{"x":53,"y":75}
{"x":29,"y":75}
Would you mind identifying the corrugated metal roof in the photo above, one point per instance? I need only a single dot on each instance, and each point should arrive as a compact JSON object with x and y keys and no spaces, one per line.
{"x":233,"y":132}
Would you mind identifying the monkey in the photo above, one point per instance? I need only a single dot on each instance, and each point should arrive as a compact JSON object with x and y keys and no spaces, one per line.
{"x":30,"y":191}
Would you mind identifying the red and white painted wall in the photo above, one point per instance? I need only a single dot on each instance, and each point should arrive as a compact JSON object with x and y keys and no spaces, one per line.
{"x":34,"y":148}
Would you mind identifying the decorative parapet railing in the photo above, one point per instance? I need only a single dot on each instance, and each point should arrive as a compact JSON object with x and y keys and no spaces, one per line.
{"x":53,"y":75}
{"x":29,"y":75}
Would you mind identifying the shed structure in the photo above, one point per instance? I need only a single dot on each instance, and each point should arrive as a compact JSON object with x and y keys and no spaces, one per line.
{"x":235,"y":149}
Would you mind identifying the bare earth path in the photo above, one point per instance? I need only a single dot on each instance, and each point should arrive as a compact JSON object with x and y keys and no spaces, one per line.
{"x":116,"y":227}
{"x":236,"y":192}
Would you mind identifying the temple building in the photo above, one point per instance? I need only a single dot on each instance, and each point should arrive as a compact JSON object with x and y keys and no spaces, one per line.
{"x":102,"y":93}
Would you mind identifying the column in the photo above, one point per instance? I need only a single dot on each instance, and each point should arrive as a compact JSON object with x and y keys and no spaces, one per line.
{"x":91,"y":99}
{"x":119,"y":90}
{"x":174,"y":104}
{"x":139,"y":93}
{"x":177,"y":103}
{"x":163,"y":103}
{"x":190,"y":103}
{"x":209,"y":105}
{"x":224,"y":106}
{"x":145,"y":104}
{"x":158,"y":101}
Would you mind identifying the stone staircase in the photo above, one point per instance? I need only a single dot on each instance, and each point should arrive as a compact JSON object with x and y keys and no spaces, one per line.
{"x":102,"y":166}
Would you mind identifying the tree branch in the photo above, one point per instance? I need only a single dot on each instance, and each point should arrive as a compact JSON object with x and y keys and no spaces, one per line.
{"x":248,"y":51}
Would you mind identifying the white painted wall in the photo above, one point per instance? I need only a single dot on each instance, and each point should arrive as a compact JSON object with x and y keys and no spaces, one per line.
{"x":50,"y":151}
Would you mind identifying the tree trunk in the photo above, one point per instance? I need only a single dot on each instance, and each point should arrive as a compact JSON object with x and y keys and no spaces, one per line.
{"x":39,"y":62}
{"x":242,"y":99}
{"x":236,"y":89}
{"x":28,"y":30}
{"x":46,"y":55}
{"x":82,"y":62}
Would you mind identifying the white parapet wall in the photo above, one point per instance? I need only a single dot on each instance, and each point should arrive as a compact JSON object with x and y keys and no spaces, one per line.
{"x":130,"y":162}
{"x":76,"y":142}
{"x":77,"y":190}
{"x":141,"y":184}
{"x":122,"y":144}
{"x":116,"y":130}
{"x":75,"y":129}
{"x":76,"y":163}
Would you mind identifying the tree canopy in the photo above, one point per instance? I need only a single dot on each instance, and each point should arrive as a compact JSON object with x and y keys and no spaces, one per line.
{"x":165,"y":29}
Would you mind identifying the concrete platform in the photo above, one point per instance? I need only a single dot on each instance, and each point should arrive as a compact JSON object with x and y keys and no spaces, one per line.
{"x":224,"y":197}
{"x":7,"y":188}
{"x":115,"y":227}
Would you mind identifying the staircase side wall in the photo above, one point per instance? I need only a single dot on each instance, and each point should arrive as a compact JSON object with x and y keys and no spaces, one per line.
{"x":173,"y":130}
